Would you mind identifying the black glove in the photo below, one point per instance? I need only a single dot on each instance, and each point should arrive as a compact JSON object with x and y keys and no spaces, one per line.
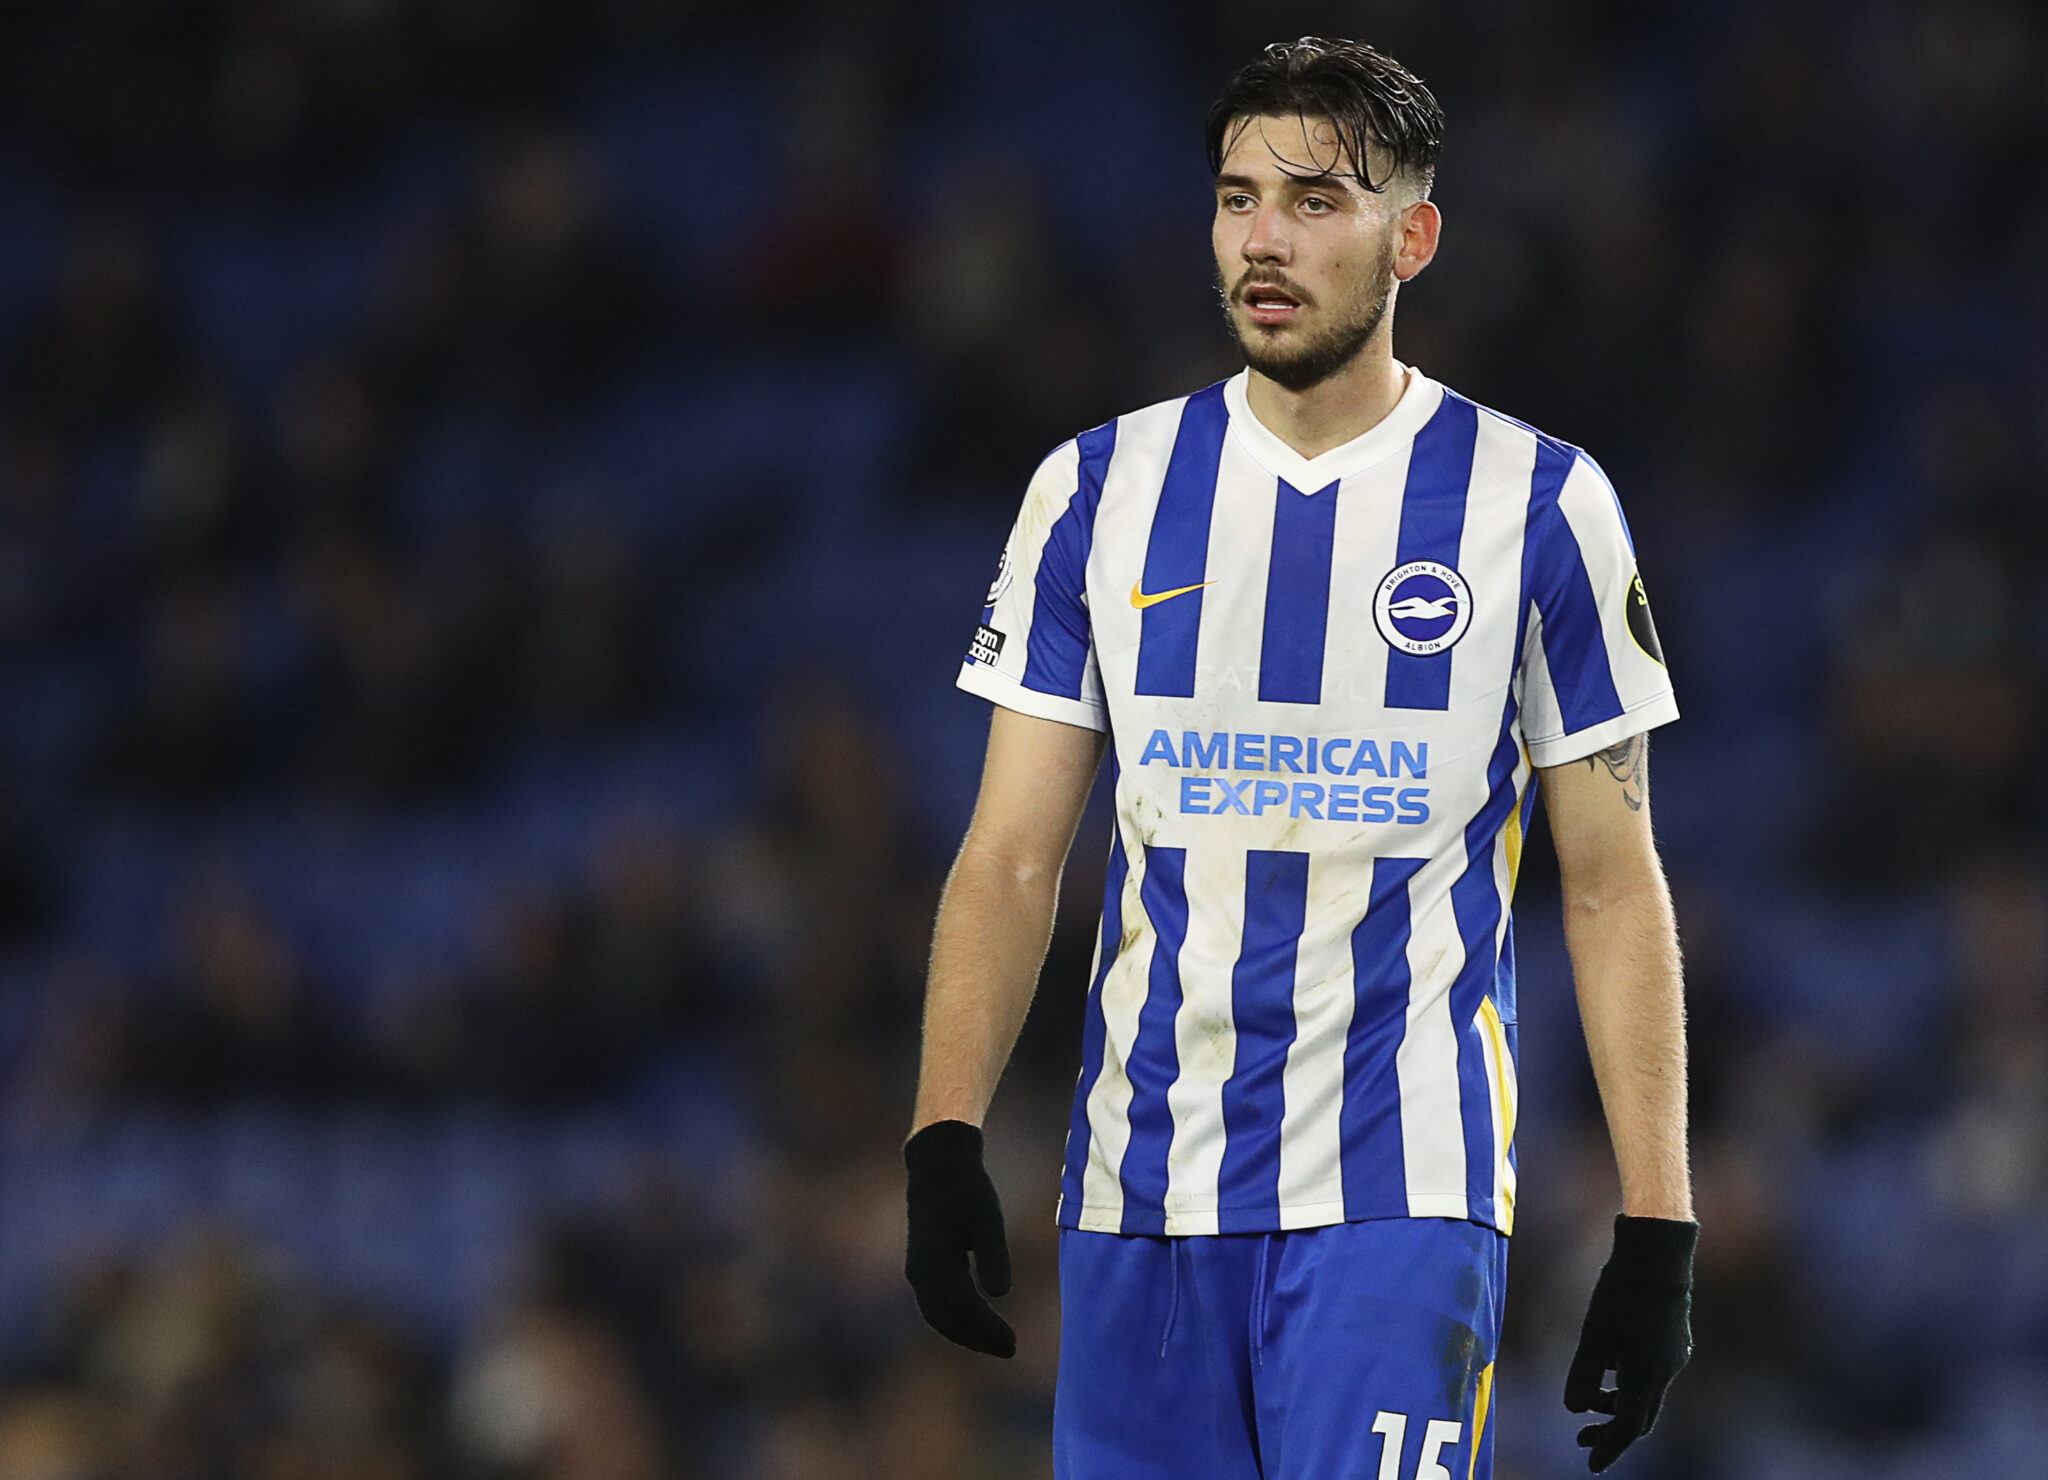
{"x":954,"y":1210}
{"x":1640,"y":1325}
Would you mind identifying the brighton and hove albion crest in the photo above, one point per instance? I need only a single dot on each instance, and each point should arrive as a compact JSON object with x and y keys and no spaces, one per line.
{"x":1422,"y":607}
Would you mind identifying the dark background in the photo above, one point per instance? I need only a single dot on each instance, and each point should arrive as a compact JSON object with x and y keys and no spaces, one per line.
{"x":492,"y":495}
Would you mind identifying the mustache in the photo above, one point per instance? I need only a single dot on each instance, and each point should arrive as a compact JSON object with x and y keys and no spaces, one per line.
{"x":1267,"y":278}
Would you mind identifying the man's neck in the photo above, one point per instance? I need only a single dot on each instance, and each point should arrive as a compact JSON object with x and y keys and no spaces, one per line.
{"x":1348,"y":404}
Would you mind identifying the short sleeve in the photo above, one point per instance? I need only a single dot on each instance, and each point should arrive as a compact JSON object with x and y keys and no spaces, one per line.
{"x":1033,"y":650}
{"x":1592,"y":670}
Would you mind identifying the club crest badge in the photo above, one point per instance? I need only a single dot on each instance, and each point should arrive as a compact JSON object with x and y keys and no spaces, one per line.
{"x":1422,"y":607}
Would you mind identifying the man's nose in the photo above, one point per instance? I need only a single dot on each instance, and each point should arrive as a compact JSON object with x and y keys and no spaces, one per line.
{"x":1268,"y":241}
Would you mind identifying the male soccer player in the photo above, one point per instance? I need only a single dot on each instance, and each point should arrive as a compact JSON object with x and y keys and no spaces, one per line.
{"x":1331,"y":618}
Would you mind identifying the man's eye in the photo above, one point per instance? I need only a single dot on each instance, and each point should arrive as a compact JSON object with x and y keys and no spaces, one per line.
{"x":1317,"y":202}
{"x":1236,"y":202}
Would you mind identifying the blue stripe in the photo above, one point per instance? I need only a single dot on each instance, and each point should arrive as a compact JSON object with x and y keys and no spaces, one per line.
{"x":1504,"y":973}
{"x":1369,"y":1127}
{"x":1262,"y":1008}
{"x":1155,"y":1059}
{"x":1177,"y":553}
{"x":1553,"y":462}
{"x":1056,"y":652}
{"x":1432,"y":528}
{"x":1297,"y":596}
{"x":1574,"y":646}
{"x":1504,"y":987}
{"x":1093,"y":1032}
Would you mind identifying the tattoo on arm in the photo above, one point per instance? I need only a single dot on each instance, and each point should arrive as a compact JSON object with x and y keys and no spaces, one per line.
{"x":1624,"y":762}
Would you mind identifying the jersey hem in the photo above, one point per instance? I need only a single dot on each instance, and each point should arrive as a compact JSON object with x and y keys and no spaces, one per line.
{"x":1094,"y":1218}
{"x":1558,"y":750}
{"x":998,"y":688}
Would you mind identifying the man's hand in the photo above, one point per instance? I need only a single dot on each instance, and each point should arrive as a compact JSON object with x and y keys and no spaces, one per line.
{"x":1639,"y":1325}
{"x":954,"y":1211}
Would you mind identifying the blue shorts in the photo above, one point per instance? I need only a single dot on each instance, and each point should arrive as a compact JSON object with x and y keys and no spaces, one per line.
{"x":1280,"y":1356}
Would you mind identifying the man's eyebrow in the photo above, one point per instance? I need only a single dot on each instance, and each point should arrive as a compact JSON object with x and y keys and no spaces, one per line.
{"x":1322,"y":180}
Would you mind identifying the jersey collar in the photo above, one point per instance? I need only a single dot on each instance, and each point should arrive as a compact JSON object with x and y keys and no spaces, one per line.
{"x":1417,"y":404}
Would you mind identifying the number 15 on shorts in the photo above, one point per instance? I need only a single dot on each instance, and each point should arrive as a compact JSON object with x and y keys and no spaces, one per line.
{"x":1393,"y":1431}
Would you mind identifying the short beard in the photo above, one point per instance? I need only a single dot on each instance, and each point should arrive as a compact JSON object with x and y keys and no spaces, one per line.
{"x":1327,"y":353}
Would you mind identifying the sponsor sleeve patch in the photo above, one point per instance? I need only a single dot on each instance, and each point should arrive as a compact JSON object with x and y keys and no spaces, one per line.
{"x":986,"y":647}
{"x":1640,"y":627}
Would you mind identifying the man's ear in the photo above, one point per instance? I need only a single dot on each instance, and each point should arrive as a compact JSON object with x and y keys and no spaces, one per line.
{"x":1421,"y":222}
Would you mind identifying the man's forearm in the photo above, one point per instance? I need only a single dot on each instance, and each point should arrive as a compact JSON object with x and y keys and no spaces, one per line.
{"x":995,"y":921}
{"x":1624,"y":948}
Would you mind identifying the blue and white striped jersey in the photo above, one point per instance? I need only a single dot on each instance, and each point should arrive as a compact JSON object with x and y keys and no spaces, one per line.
{"x":1326,"y":681}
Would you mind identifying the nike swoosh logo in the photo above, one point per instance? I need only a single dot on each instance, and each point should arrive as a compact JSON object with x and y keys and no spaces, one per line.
{"x":1140,"y":600}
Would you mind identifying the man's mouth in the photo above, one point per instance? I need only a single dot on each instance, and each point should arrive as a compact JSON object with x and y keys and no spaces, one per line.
{"x":1269,"y":304}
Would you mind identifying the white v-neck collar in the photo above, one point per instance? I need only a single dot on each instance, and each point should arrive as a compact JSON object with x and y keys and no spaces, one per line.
{"x":1418,"y":403}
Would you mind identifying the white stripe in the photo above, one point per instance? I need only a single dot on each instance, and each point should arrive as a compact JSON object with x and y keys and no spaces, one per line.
{"x":1432,"y":1125}
{"x":1494,"y":1099}
{"x":1238,"y":560}
{"x":1312,"y":1084}
{"x":1204,"y":1037}
{"x":1109,"y":1098}
{"x":1540,"y":714}
{"x":1362,"y":549}
{"x":1084,"y":1129}
{"x":1503,"y":876}
{"x":1490,"y":559}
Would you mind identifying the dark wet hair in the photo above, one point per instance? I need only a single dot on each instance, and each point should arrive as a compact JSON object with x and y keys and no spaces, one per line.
{"x":1369,"y":98}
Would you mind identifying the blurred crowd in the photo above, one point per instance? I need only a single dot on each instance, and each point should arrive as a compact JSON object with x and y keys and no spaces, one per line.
{"x":491,"y":494}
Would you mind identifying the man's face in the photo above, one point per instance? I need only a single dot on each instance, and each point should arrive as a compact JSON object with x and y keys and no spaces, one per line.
{"x":1306,"y":257}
